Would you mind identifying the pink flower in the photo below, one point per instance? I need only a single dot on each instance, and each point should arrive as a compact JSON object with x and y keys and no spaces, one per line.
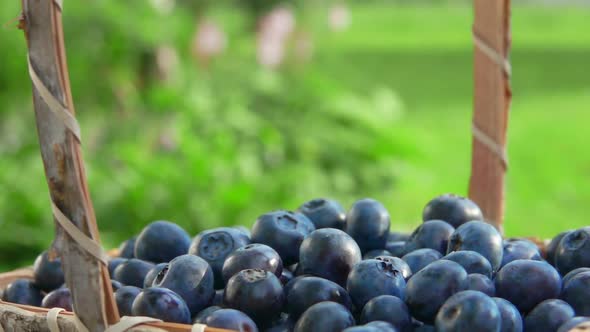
{"x":274,"y":31}
{"x":270,"y":52}
{"x":166,"y":62}
{"x":209,"y":41}
{"x":278,"y":23}
{"x":339,"y":17}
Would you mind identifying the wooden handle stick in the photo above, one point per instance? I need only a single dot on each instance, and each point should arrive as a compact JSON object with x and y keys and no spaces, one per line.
{"x":492,"y":96}
{"x":77,"y":240}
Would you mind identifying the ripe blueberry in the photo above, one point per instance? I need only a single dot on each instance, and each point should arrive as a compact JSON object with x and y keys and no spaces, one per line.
{"x":59,"y":298}
{"x":469,"y":311}
{"x":191,"y":278}
{"x":132,"y":272}
{"x":283,"y":231}
{"x":368,"y":224}
{"x":125,"y":297}
{"x":307,"y":291}
{"x":455,"y":210}
{"x":390,"y":309}
{"x":257,"y":293}
{"x":48,"y":274}
{"x":324,"y":213}
{"x":480,"y":237}
{"x":371,"y":278}
{"x":215,"y":245}
{"x":325,"y":317}
{"x":161,"y":303}
{"x":527,"y":283}
{"x":329,"y":253}
{"x":430,"y":287}
{"x":252,"y":256}
{"x":161,"y":241}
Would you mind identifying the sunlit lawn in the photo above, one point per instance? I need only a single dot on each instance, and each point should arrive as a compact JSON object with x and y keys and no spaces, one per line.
{"x":425,"y":54}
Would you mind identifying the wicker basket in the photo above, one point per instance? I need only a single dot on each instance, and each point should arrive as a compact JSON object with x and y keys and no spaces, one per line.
{"x":77,"y":239}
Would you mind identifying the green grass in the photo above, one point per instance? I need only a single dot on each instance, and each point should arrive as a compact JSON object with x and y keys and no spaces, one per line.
{"x":425,"y":55}
{"x":411,"y":63}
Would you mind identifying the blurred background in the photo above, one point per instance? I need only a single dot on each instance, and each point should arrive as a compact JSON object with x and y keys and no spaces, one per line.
{"x":210,"y":113}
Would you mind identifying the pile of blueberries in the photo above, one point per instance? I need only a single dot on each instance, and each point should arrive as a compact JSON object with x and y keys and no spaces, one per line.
{"x":322,"y":269}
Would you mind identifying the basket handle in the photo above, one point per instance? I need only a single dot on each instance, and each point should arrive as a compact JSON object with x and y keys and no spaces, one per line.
{"x":77,"y":239}
{"x":492,"y":97}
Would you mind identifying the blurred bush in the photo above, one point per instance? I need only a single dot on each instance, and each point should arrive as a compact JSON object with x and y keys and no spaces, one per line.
{"x":202,"y":145}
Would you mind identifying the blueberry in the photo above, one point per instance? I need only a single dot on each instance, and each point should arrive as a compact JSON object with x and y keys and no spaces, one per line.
{"x":115,"y":285}
{"x":125,"y":297}
{"x":329,"y":253}
{"x":292,"y":282}
{"x":127,"y":248}
{"x":325,"y":317}
{"x":376,"y":326}
{"x":231,"y":319}
{"x":396,"y":248}
{"x":132,"y":272}
{"x":258,"y":293}
{"x":23,"y":291}
{"x":307,"y":291}
{"x":252,"y":256}
{"x":469,"y":311}
{"x":298,"y":271}
{"x":368,"y":224}
{"x":511,"y":318}
{"x":215,"y":245}
{"x":376,"y":253}
{"x":527,"y":283}
{"x":480,"y":237}
{"x":191,"y":278}
{"x":418,"y":259}
{"x":161,"y":303}
{"x":390,"y":309}
{"x":570,"y":324}
{"x":148,"y":281}
{"x":479,"y":282}
{"x":432,"y":234}
{"x":577,"y":292}
{"x":551,"y":248}
{"x":161,"y":242}
{"x":244,"y":230}
{"x":218,"y":297}
{"x":283,"y":231}
{"x":574,"y":273}
{"x":372,"y":278}
{"x":282,"y":324}
{"x":455,"y":210}
{"x":382,"y":326}
{"x":548,"y":315}
{"x":397,"y":236}
{"x":59,"y":298}
{"x":48,"y":274}
{"x":114,"y":263}
{"x":519,"y":249}
{"x":573,"y":251}
{"x":202,"y":316}
{"x":425,"y":328}
{"x":286,"y":276}
{"x":324,"y":213}
{"x":472,"y":262}
{"x":399,"y":264}
{"x":430,"y":287}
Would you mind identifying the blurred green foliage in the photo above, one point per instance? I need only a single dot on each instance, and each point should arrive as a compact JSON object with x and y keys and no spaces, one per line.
{"x":383,"y":110}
